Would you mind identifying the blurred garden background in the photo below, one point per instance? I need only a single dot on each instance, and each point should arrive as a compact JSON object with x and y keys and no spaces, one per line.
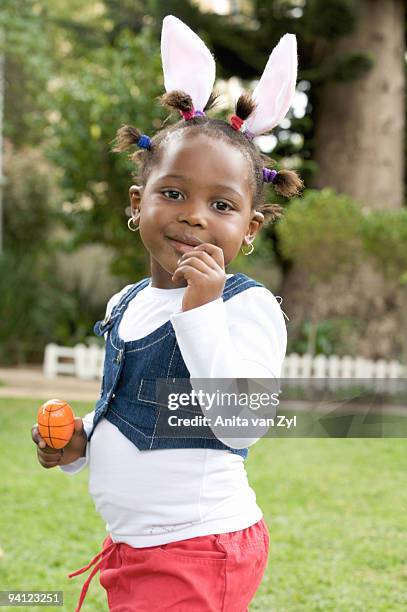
{"x":72,"y":73}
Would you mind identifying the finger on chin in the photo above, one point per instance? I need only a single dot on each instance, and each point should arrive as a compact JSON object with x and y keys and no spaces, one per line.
{"x":200,"y":257}
{"x":210,"y":248}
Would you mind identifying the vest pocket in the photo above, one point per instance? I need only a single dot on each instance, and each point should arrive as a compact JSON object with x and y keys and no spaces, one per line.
{"x":147,"y":392}
{"x":156,"y":391}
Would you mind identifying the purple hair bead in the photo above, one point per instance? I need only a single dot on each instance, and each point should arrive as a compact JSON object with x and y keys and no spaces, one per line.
{"x":249,"y":135}
{"x":269,"y":176}
{"x":187,"y":115}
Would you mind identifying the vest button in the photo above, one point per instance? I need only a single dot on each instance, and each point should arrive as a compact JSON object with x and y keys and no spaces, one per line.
{"x":119,"y":356}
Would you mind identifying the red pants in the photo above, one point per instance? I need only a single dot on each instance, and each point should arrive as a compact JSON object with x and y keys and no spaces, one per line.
{"x":212,"y":573}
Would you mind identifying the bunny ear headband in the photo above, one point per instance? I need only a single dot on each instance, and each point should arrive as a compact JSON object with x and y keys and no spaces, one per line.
{"x":188,"y":66}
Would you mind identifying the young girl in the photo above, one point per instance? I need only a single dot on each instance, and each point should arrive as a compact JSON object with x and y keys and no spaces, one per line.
{"x":185,"y":531}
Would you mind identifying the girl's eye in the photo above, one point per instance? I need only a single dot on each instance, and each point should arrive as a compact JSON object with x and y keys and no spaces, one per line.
{"x":223,"y":204}
{"x":172,"y":193}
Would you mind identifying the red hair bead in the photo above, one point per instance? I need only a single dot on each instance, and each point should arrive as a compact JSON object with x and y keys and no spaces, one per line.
{"x":188,"y":114}
{"x":236,"y":122}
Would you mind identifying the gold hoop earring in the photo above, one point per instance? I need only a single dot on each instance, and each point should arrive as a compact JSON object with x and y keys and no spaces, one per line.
{"x":132,"y":229}
{"x":251,"y":247}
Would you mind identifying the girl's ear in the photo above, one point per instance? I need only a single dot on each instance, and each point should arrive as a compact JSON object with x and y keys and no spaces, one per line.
{"x":135,"y":193}
{"x":256,"y":223}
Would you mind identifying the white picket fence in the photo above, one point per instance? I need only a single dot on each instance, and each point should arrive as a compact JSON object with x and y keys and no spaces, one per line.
{"x":86,"y":362}
{"x":82,"y":361}
{"x":305,"y":366}
{"x":335,"y":372}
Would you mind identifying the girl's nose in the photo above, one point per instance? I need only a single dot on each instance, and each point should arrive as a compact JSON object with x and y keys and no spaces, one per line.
{"x":194,"y":214}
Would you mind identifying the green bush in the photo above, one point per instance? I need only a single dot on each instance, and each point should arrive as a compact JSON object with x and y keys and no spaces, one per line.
{"x":35,"y":305}
{"x":28,"y":308}
{"x":384,"y":235}
{"x":321,"y":232}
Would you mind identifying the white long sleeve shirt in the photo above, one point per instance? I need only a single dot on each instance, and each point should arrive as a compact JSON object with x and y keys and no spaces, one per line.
{"x":147,"y":498}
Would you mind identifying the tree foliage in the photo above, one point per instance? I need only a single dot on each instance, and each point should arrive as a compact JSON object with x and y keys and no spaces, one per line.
{"x":108,"y":87}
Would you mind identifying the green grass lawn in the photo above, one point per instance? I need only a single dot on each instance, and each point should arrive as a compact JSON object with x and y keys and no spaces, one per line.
{"x":336,"y":510}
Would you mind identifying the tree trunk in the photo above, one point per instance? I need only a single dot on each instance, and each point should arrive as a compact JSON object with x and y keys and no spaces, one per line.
{"x":403,"y":331}
{"x":359,"y":124}
{"x":359,"y":138}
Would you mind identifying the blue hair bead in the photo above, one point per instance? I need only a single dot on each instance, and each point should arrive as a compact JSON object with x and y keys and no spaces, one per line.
{"x":144,"y":142}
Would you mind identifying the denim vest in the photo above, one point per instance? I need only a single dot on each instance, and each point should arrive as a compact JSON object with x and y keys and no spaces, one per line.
{"x":129,"y":396}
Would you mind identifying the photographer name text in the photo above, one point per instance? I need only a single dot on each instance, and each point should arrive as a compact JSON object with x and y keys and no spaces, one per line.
{"x":279,"y":420}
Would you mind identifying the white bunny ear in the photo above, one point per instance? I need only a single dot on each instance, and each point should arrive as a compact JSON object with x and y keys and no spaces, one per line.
{"x":188,"y":64}
{"x":276,"y":88}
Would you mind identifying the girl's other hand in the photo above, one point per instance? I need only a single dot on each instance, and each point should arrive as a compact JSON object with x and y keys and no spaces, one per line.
{"x":50,"y":457}
{"x":204,"y":270}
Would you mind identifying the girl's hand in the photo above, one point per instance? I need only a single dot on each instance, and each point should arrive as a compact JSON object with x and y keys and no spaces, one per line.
{"x":204,"y":270}
{"x":50,"y":457}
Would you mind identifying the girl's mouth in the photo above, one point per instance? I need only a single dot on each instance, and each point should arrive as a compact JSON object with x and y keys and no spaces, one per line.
{"x":181,"y":247}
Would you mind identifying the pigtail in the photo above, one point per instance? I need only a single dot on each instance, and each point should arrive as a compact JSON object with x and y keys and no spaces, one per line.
{"x":178,"y":100}
{"x":271,"y":212}
{"x":287,"y":183}
{"x":182,"y":102}
{"x":245,"y":106}
{"x":126,"y":137}
{"x":212,"y":101}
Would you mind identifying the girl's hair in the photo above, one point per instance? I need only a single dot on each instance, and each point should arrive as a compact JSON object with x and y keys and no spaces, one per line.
{"x":287,"y":183}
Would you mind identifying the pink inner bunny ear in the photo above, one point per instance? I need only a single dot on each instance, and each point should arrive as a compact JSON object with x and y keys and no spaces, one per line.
{"x":188,"y":64}
{"x":276,"y":88}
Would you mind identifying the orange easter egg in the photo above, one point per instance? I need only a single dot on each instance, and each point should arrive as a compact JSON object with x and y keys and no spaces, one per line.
{"x":56,"y":423}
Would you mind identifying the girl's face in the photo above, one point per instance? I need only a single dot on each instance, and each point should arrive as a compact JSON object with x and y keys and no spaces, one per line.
{"x":198,"y":192}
